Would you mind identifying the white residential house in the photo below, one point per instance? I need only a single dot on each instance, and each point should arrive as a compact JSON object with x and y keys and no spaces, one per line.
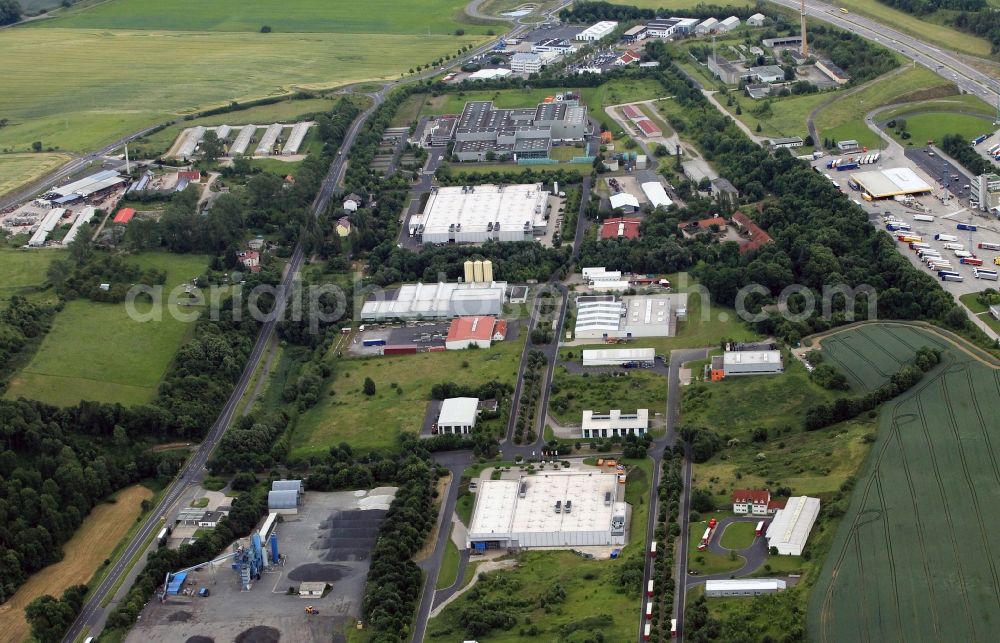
{"x":458,"y":415}
{"x":751,"y":501}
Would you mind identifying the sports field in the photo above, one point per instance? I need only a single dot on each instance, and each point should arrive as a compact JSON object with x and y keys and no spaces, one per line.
{"x":94,"y":541}
{"x":18,"y":169}
{"x":916,"y":555}
{"x":94,"y":351}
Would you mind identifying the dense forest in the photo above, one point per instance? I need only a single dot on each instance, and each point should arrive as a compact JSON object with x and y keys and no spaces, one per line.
{"x":955,"y":146}
{"x":55,"y":465}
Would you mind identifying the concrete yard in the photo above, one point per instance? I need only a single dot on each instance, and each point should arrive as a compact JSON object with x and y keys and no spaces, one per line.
{"x":330,"y":539}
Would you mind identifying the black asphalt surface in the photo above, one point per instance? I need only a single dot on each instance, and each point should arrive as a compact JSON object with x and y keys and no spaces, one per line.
{"x":941,"y":170}
{"x":442,"y":595}
{"x":755,"y":555}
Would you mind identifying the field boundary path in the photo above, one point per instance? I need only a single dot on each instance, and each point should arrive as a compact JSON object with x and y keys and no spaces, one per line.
{"x":756,"y":138}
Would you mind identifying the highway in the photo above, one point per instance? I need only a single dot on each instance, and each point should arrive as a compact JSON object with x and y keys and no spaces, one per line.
{"x":943,"y":63}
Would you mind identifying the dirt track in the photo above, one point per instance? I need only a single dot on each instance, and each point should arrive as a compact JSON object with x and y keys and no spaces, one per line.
{"x":101,"y":530}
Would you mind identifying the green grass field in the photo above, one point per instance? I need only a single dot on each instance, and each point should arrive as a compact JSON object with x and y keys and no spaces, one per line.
{"x":24,"y":269}
{"x":303,"y":16}
{"x":870,"y":355}
{"x":18,"y":169}
{"x":932,"y":126}
{"x":844,"y":119}
{"x":449,"y":566}
{"x":915,"y":557}
{"x":738,"y":535}
{"x":601,"y":392}
{"x":96,"y":352}
{"x":964,"y":103}
{"x":938,"y":34}
{"x":706,"y":562}
{"x":977,"y":309}
{"x":375,"y":422}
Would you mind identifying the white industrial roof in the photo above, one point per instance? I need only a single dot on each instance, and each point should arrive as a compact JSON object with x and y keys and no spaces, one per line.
{"x":90,"y":184}
{"x":499,"y":511}
{"x":435,"y":300}
{"x":744,"y":584}
{"x":620,"y":354}
{"x":598,"y":30}
{"x":791,"y":525}
{"x":615,"y":419}
{"x":596,"y":315}
{"x":86,"y":214}
{"x":752,"y":357}
{"x":457,"y":411}
{"x":891,"y":182}
{"x":623,"y":199}
{"x":285,"y":499}
{"x":489,"y":74}
{"x":731,"y":21}
{"x":656,"y":194}
{"x":475,"y":210}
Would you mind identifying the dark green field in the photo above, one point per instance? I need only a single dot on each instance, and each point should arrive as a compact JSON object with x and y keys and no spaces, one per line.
{"x":916,"y":555}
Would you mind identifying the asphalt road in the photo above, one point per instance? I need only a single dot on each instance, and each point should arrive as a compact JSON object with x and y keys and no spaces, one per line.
{"x":943,"y":63}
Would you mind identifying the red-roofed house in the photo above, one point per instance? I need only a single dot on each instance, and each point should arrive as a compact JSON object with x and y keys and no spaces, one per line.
{"x":648,"y":127}
{"x":757,"y":236}
{"x":124,"y":216}
{"x":465,"y":331}
{"x":620,"y":228}
{"x":776,"y":504}
{"x":751,"y":501}
{"x":703,"y":225}
{"x":191,"y":175}
{"x":250,"y":259}
{"x":633,"y":112}
{"x":627,"y":58}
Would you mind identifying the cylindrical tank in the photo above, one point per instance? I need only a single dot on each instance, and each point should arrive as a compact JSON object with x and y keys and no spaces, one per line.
{"x":478,"y":268}
{"x":469,"y":274}
{"x":274,"y":549}
{"x":487,"y":271}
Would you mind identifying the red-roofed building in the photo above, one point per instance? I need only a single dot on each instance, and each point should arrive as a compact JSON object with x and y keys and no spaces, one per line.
{"x":479,"y":330}
{"x":191,"y":175}
{"x":620,"y":228}
{"x":757,"y":237}
{"x":703,"y":225}
{"x":648,"y":127}
{"x":632,"y":112}
{"x":627,"y":58}
{"x":751,"y":501}
{"x":250,"y":259}
{"x":776,"y":504}
{"x":124,"y":216}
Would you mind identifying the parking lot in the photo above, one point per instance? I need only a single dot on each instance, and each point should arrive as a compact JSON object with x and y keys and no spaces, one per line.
{"x":419,"y":333}
{"x":330,"y":540}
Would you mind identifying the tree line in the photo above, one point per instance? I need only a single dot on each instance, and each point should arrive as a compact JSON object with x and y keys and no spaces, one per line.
{"x":846,"y":408}
{"x":926,"y":7}
{"x":955,"y":146}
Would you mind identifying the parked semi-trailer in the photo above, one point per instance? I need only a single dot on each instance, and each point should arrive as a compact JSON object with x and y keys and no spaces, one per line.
{"x":649,"y":588}
{"x":971,"y":261}
{"x":954,"y":246}
{"x":923,"y":217}
{"x":649,"y":610}
{"x":652,"y":550}
{"x":989,"y":275}
{"x":945,"y":237}
{"x":647,"y":633}
{"x":851,"y":165}
{"x":963,"y":254}
{"x":919,"y":245}
{"x":989,"y":246}
{"x":373,"y":342}
{"x":673,"y":627}
{"x":760,"y":529}
{"x":970,"y":227}
{"x":952,"y":278}
{"x":979,"y":139}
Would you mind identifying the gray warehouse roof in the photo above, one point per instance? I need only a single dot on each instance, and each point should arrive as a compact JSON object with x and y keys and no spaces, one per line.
{"x":285,"y":499}
{"x":287,"y":485}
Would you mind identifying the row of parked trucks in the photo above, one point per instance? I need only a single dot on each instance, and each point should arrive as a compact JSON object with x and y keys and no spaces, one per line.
{"x":853,"y":163}
{"x":933,"y":259}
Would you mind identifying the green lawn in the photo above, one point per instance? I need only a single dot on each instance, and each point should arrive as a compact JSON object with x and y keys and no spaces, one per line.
{"x":979,"y":310}
{"x":449,"y":565}
{"x":832,"y":121}
{"x":345,"y":413}
{"x":705,"y":562}
{"x":932,"y":32}
{"x":304,"y":16}
{"x":738,"y":535}
{"x":96,"y":352}
{"x":19,"y":169}
{"x":964,"y":103}
{"x":24,"y":269}
{"x":789,"y":113}
{"x":600,"y":392}
{"x":932,"y":126}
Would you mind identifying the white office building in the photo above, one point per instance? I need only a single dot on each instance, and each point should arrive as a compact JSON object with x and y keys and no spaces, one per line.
{"x":476,"y":214}
{"x":526,"y":63}
{"x":458,"y":415}
{"x":609,"y":316}
{"x":618,"y":356}
{"x":614,"y":424}
{"x":752,"y":362}
{"x":596,"y":32}
{"x":789,"y":530}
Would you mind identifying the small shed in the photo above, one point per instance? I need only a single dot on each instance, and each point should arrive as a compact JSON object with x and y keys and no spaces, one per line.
{"x":283,"y":501}
{"x":312,"y":589}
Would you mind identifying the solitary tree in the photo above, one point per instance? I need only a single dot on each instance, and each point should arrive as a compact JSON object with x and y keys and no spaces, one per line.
{"x":211,"y":146}
{"x":369,"y":386}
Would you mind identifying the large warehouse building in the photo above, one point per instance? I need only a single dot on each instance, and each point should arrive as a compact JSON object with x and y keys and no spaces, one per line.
{"x":743,"y":587}
{"x":480,"y":213}
{"x":608,"y":316}
{"x":791,"y":526}
{"x":614,"y":424}
{"x":436,"y":301}
{"x":618,"y":356}
{"x":560,"y":509}
{"x":733,"y":363}
{"x":523,"y":133}
{"x":885,"y":184}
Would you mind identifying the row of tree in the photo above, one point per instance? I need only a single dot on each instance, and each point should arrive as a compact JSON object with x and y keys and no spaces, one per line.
{"x":926,"y":7}
{"x":955,"y":146}
{"x":845,"y":408}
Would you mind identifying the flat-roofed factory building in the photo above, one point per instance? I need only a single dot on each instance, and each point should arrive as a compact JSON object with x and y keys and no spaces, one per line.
{"x":892,"y":182}
{"x":481,"y":213}
{"x":558,"y":509}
